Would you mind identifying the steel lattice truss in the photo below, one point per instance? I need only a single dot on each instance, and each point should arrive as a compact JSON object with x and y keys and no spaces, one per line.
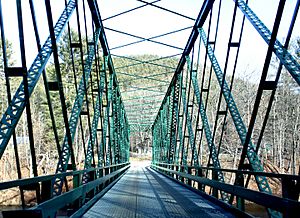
{"x":97,"y":103}
{"x":143,"y":91}
{"x":182,"y":128}
{"x":187,"y":105}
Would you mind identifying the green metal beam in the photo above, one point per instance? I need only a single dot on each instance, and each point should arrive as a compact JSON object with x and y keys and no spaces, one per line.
{"x":142,"y":88}
{"x":75,"y":113}
{"x":282,"y":53}
{"x":14,"y":111}
{"x":256,"y":165}
{"x":140,"y":62}
{"x":145,"y":103}
{"x":142,"y":77}
{"x":150,"y":77}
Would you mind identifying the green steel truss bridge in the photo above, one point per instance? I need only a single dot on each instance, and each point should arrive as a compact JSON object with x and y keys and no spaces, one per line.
{"x":186,"y":128}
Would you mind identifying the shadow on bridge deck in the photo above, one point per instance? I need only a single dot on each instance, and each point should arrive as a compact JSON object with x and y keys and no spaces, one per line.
{"x":142,"y":192}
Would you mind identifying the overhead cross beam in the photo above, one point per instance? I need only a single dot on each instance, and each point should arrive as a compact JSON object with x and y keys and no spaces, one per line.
{"x":135,"y":88}
{"x":168,"y":10}
{"x":140,"y":62}
{"x":155,"y":59}
{"x":145,"y":103}
{"x":153,"y":37}
{"x":144,"y":97}
{"x":139,"y":37}
{"x":137,"y":77}
{"x":130,"y":10}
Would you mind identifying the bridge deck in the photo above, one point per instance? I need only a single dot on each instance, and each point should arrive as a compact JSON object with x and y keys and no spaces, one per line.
{"x":142,"y":192}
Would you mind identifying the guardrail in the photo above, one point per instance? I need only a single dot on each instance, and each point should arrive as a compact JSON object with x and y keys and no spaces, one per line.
{"x":70,"y":201}
{"x":288,"y":204}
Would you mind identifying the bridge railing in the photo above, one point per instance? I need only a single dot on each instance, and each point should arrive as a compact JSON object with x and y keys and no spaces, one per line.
{"x":195,"y":178}
{"x":73,"y":202}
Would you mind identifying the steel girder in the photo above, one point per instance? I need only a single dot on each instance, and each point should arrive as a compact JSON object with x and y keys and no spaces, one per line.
{"x":14,"y":111}
{"x":183,"y":117}
{"x":92,"y":141}
{"x":281,"y":52}
{"x":76,"y":110}
{"x":120,"y":131}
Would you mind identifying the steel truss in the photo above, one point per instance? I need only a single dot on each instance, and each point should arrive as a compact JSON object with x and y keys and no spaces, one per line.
{"x":97,"y":107}
{"x":182,"y":120}
{"x":185,"y":127}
